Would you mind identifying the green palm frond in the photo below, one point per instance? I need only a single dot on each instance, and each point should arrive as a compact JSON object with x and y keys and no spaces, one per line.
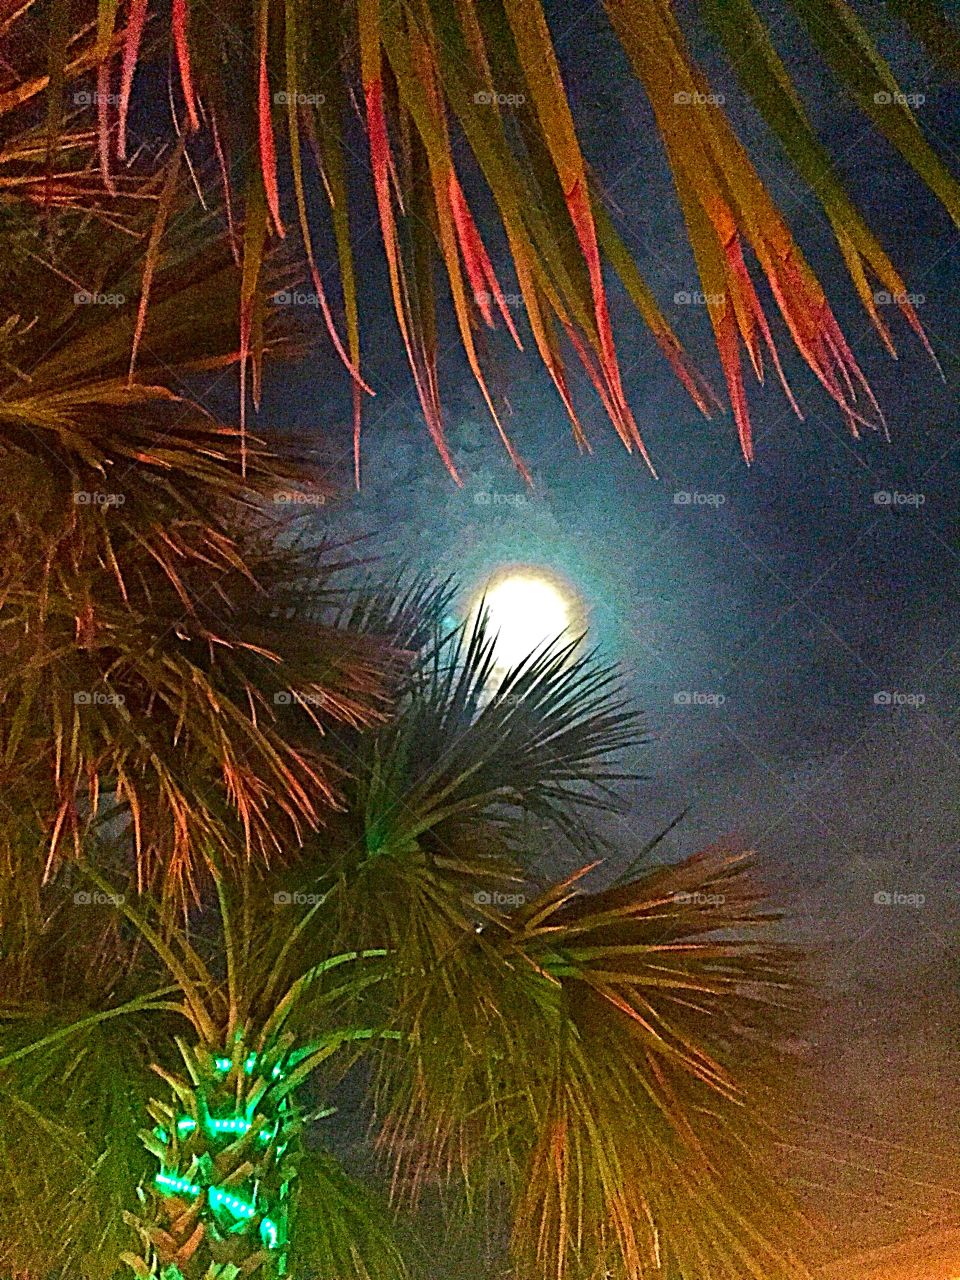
{"x":470,"y":743}
{"x":441,"y":801}
{"x":342,"y":1227}
{"x":70,"y":1117}
{"x":621,"y":1073}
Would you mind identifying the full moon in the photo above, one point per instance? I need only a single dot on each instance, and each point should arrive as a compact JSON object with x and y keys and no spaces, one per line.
{"x":528,"y":607}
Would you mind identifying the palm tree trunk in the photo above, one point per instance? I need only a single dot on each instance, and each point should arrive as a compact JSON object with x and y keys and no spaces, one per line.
{"x":227,"y":1145}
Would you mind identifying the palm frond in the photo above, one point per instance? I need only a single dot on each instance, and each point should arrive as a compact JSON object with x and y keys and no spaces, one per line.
{"x":342,"y":1227}
{"x":538,"y":739}
{"x":146,"y":584}
{"x":431,"y":72}
{"x":441,"y":801}
{"x":623,"y":1073}
{"x":406,"y":609}
{"x":70,"y":1117}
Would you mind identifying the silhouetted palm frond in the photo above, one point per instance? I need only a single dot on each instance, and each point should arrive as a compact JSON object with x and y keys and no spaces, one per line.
{"x":441,"y":800}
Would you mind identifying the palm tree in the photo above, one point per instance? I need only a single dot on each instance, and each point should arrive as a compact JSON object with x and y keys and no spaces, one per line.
{"x":601,"y":1063}
{"x":150,"y":572}
{"x":199,"y":729}
{"x":265,"y":93}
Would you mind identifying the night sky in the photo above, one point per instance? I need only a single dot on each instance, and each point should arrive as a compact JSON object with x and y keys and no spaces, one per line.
{"x":788,"y":593}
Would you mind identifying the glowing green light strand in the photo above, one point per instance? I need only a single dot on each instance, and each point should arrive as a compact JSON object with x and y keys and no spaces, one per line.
{"x":225,"y":1124}
{"x":174,"y":1185}
{"x":226,"y":1064}
{"x":220,"y":1199}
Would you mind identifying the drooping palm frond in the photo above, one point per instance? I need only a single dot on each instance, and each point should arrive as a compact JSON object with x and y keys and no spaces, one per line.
{"x":48,"y":152}
{"x":147,"y":660}
{"x":622,"y":1073}
{"x":432,"y":73}
{"x":342,"y":1227}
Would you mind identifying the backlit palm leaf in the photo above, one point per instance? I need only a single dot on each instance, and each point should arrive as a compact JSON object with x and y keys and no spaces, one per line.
{"x":441,"y":800}
{"x":429,"y":70}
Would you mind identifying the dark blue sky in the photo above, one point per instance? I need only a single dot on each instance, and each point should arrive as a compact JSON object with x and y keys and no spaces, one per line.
{"x":792,"y":599}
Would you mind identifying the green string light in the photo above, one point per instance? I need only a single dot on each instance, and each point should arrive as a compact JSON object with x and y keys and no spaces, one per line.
{"x":176,"y":1185}
{"x":223,"y":1199}
{"x":223,"y":1124}
{"x":226,"y":1064}
{"x":229,"y":1124}
{"x":218,"y":1197}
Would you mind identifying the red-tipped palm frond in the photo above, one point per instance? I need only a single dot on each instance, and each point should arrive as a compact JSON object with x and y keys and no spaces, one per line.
{"x":431,"y":73}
